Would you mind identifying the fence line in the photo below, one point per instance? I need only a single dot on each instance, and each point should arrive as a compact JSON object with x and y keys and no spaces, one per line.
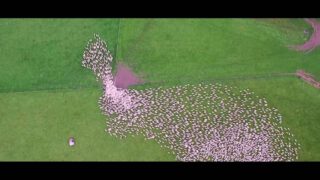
{"x":67,"y":89}
{"x":182,"y":81}
{"x":133,"y":47}
{"x":185,"y":80}
{"x":117,"y":42}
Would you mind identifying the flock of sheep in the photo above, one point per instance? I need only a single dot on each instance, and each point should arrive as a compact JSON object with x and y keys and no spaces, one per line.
{"x":196,"y":122}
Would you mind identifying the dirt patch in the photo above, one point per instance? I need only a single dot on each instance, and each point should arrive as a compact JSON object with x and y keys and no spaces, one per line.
{"x":125,"y":77}
{"x":314,"y":40}
{"x":308,"y":78}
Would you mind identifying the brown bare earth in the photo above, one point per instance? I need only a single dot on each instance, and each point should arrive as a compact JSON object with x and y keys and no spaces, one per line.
{"x":125,"y":77}
{"x":308,"y":78}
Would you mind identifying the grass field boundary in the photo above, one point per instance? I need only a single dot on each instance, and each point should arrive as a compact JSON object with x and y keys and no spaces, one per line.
{"x":4,"y":91}
{"x":235,"y":78}
{"x":117,"y":42}
{"x":133,"y":46}
{"x":159,"y":83}
{"x":116,"y":48}
{"x":51,"y":90}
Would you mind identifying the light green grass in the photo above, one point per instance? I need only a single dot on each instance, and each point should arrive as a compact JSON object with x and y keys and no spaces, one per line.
{"x":299,"y":105}
{"x":297,"y":102}
{"x":35,"y":126}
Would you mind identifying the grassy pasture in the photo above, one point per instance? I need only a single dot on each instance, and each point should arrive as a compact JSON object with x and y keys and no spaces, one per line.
{"x":46,"y":96}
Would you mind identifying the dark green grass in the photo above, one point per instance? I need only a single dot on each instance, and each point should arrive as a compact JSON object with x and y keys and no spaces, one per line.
{"x":46,"y":53}
{"x":163,"y":49}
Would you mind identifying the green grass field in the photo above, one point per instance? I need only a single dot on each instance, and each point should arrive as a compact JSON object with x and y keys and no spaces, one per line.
{"x":46,"y":96}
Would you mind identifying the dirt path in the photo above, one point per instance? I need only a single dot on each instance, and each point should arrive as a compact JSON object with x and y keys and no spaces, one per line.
{"x":314,"y":41}
{"x":308,"y":78}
